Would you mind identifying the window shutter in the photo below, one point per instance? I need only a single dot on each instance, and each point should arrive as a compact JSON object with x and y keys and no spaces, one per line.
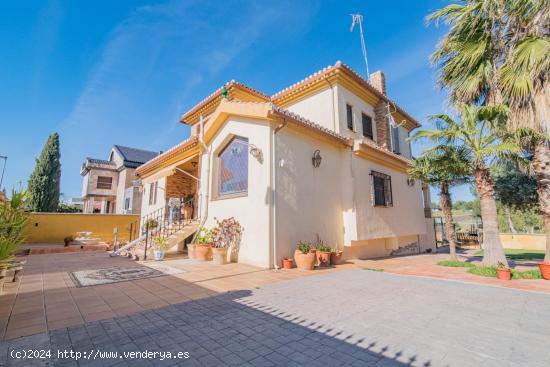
{"x":349,"y":115}
{"x":395,"y":136}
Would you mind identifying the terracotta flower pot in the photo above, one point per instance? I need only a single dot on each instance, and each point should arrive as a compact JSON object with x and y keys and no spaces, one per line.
{"x":336,"y":258}
{"x":545,"y":270}
{"x":203,"y":252}
{"x":68,"y":243}
{"x":504,"y":274}
{"x":191,"y":250}
{"x":324,"y":258}
{"x":219,"y":255}
{"x":288,"y":263}
{"x":305,"y":261}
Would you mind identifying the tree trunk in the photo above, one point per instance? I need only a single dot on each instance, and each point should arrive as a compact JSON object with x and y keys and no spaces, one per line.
{"x":447,"y":210}
{"x":509,"y":218}
{"x":492,"y":246}
{"x":541,"y":168}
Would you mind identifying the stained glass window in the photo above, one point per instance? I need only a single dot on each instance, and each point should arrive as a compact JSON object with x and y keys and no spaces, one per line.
{"x":233,"y":167}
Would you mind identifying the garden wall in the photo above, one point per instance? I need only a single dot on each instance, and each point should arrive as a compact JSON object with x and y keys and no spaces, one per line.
{"x":524,"y":241}
{"x":54,"y":227}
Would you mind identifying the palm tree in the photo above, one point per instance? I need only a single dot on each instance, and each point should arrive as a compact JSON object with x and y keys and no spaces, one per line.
{"x":482,"y":133}
{"x":444,"y":166}
{"x":499,"y":51}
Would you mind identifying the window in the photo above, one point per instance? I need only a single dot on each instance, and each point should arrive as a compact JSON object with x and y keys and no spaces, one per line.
{"x":127,"y":203}
{"x":381,"y":185}
{"x":349,"y":115}
{"x":367,"y":126}
{"x":104,"y":182}
{"x":233,"y":167}
{"x":395,"y":137}
{"x":153,"y":193}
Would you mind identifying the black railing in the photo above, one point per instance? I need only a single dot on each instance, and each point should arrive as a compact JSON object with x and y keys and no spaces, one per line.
{"x":168,"y":219}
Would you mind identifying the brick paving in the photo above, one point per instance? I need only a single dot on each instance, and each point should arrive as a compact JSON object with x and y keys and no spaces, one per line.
{"x":354,"y":318}
{"x":45,"y":298}
{"x":426,"y":266}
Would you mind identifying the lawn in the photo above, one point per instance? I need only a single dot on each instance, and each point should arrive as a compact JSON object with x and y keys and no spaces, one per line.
{"x":520,"y":254}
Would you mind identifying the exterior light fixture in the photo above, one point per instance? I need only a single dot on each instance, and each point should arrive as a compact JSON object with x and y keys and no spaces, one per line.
{"x":316,"y":159}
{"x":410,"y":181}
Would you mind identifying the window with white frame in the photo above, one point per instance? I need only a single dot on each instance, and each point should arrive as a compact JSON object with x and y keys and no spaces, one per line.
{"x":153,"y":186}
{"x":381,"y":189}
{"x":232,"y":169}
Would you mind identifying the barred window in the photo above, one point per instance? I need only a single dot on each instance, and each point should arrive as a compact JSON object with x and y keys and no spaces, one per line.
{"x":104,"y":182}
{"x":381,"y":187}
{"x":233,"y":167}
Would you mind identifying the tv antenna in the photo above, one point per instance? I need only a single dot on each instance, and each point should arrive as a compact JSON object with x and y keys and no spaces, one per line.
{"x":358,"y":19}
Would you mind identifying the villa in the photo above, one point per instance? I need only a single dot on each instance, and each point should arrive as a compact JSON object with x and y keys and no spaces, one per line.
{"x":324,"y":158}
{"x":108,"y":185}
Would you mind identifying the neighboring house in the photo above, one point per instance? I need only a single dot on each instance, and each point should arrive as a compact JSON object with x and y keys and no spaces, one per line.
{"x":108,"y":186}
{"x":319,"y":158}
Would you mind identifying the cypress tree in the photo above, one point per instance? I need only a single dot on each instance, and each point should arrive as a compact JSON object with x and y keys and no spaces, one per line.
{"x":44,"y":183}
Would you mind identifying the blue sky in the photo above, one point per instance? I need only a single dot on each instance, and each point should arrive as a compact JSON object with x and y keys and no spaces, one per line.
{"x":122,"y":72}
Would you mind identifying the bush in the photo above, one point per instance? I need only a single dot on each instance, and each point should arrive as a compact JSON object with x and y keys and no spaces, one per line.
{"x":456,"y":264}
{"x":304,"y":247}
{"x":13,"y":219}
{"x":528,"y":274}
{"x":484,"y":271}
{"x":204,"y":236}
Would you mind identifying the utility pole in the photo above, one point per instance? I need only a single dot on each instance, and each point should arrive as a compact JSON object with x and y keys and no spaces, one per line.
{"x":5,"y":158}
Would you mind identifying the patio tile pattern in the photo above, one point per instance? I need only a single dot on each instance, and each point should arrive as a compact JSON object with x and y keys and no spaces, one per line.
{"x":347,"y":318}
{"x":46,"y":298}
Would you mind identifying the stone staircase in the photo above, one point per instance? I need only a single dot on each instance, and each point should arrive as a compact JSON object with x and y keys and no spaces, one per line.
{"x":175,"y":241}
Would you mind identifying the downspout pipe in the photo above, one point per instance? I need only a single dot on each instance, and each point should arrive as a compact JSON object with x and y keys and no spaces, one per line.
{"x":274,"y":189}
{"x":204,"y":210}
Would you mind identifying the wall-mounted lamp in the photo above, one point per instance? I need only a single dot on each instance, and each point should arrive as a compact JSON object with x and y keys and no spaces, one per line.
{"x":410,"y":181}
{"x":316,"y":159}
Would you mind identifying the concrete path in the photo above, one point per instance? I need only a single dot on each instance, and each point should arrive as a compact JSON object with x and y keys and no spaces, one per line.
{"x":356,"y":318}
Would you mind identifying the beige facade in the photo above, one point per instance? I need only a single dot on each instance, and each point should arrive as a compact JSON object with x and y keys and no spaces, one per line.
{"x":287,"y":197}
{"x":109,"y":186}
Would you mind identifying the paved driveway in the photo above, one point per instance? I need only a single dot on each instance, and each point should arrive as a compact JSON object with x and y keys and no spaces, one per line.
{"x":359,"y":318}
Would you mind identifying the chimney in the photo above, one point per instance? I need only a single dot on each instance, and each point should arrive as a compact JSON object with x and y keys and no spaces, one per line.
{"x":378,"y":81}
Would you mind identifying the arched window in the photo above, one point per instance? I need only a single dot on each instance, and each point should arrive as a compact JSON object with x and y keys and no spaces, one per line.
{"x":233,"y":167}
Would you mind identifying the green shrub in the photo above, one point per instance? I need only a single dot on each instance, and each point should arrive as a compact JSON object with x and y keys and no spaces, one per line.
{"x":528,"y":274}
{"x":456,"y":264}
{"x":151,"y":224}
{"x":484,"y":271}
{"x":304,"y":247}
{"x":13,"y":219}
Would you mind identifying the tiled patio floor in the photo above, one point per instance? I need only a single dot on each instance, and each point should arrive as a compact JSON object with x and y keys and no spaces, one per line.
{"x":426,"y":266}
{"x":46,"y":298}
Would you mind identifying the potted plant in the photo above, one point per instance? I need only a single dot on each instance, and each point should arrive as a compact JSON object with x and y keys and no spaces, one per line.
{"x":336,"y":257}
{"x":544,"y":270}
{"x":305,"y":256}
{"x":503,"y":272}
{"x":160,"y":245}
{"x":68,"y":241}
{"x":226,"y":234}
{"x":323,"y":254}
{"x":203,"y":245}
{"x":288,"y":263}
{"x":151,"y":224}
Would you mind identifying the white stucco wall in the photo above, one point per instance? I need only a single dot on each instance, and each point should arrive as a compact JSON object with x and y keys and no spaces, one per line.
{"x":404,"y":218}
{"x":308,"y":199}
{"x":147,"y":209}
{"x":344,"y":96}
{"x":318,"y":108}
{"x":252,"y":210}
